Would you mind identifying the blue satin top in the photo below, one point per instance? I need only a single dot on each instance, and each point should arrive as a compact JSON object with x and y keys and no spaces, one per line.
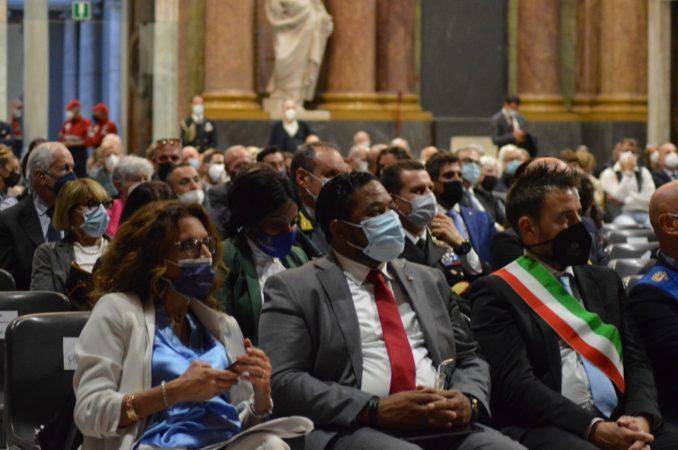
{"x":188,"y":425}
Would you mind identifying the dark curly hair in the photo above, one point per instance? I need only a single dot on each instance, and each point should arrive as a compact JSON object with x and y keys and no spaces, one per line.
{"x":134,"y":261}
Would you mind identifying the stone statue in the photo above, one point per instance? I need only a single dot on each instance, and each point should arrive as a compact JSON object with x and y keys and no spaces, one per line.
{"x":300,"y":32}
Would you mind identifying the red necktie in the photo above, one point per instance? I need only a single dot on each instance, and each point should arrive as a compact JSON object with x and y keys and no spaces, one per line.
{"x":403,"y":373}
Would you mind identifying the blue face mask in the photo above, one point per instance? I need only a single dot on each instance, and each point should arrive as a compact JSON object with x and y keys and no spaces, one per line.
{"x":385,"y":237}
{"x":62,"y":180}
{"x":96,"y":222}
{"x":277,"y":246}
{"x":512,"y":167}
{"x":196,"y":278}
{"x":470,"y":172}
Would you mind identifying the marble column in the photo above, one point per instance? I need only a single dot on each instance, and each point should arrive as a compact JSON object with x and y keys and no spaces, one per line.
{"x":191,"y":52}
{"x":165,"y":69}
{"x":36,"y":70}
{"x":659,"y":71}
{"x":539,"y":57}
{"x":395,"y":57}
{"x":587,"y":82}
{"x":351,"y":61}
{"x":3,"y":60}
{"x":623,"y":60}
{"x":88,"y":64}
{"x":229,"y":60}
{"x":111,"y":55}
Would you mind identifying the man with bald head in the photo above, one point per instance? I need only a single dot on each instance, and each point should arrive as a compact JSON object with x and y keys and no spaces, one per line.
{"x":654,"y":300}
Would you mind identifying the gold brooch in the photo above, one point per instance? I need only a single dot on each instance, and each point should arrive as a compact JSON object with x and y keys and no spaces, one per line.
{"x":659,"y":276}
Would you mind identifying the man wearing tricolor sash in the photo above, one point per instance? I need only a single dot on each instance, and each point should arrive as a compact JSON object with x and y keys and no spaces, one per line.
{"x":654,"y":300}
{"x":568,"y":367}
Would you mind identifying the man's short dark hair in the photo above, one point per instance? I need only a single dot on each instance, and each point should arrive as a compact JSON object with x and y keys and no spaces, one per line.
{"x":207,"y":157}
{"x":391,"y":177}
{"x":267,"y":151}
{"x":304,"y":158}
{"x":175,"y":167}
{"x":526,"y":196}
{"x":512,"y":99}
{"x":399,"y":153}
{"x":336,"y":198}
{"x":437,"y":162}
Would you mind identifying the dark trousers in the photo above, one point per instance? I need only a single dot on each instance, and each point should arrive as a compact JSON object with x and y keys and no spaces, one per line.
{"x":80,"y":159}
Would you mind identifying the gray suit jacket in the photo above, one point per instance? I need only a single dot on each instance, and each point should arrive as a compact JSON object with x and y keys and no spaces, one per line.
{"x":51,"y":266}
{"x":309,"y":329}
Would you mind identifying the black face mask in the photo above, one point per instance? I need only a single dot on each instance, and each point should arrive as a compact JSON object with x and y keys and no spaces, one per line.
{"x":452,"y":193}
{"x":12,"y":180}
{"x":164,"y":169}
{"x":489,"y":183}
{"x":571,"y":246}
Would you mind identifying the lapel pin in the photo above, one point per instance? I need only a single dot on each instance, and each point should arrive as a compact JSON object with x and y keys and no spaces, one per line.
{"x":410,"y":278}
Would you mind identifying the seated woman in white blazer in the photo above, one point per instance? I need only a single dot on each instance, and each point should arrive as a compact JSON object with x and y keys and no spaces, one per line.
{"x":158,"y":366}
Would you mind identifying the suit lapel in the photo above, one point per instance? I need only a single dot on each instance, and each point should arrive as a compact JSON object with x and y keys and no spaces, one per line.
{"x":417,"y":298}
{"x":31,"y":223}
{"x":469,"y":220}
{"x":334,"y":283}
{"x":589,"y":293}
{"x":435,"y":252}
{"x":251,"y":278}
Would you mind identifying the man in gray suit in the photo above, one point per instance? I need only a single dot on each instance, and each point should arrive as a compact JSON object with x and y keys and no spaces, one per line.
{"x":355,"y":337}
{"x":508,"y":127}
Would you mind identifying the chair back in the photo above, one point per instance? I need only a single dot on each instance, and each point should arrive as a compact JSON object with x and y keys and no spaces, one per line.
{"x":39,"y":372}
{"x":631,"y":266}
{"x":6,"y":281}
{"x":629,"y":281}
{"x":632,"y":236}
{"x":618,"y":251}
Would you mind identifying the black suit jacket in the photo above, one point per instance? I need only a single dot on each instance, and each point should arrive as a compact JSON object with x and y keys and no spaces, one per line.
{"x":284,"y":141}
{"x":657,"y":314}
{"x":219,"y":210}
{"x":524,"y":354}
{"x":20,"y":235}
{"x":660,"y":178}
{"x":502,"y":133}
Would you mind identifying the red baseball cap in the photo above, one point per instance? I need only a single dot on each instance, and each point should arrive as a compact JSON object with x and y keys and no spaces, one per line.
{"x":75,"y":103}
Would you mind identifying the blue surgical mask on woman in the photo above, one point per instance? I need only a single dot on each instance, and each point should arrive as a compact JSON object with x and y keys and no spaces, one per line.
{"x":196,"y":277}
{"x":512,"y":167}
{"x":96,"y":222}
{"x":471,"y":172}
{"x":277,"y":246}
{"x":385,"y":236}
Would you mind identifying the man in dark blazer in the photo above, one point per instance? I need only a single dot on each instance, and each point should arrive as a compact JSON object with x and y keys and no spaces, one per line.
{"x":27,"y":224}
{"x":477,"y":227}
{"x":197,"y":130}
{"x":354,"y":340}
{"x":289,"y":133}
{"x":430,"y":236}
{"x":545,"y":393}
{"x":654,"y":300}
{"x":508,"y":127}
{"x":313,"y":165}
{"x":666,"y":164}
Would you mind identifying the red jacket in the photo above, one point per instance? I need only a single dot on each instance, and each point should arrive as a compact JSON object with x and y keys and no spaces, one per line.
{"x":75,"y":127}
{"x":97,"y":132}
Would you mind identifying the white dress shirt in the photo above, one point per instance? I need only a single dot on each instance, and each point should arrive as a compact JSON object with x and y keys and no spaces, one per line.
{"x":291,"y":128}
{"x":376,"y":376}
{"x":266,"y":266}
{"x":575,"y":382}
{"x":626,"y":191}
{"x":87,"y":256}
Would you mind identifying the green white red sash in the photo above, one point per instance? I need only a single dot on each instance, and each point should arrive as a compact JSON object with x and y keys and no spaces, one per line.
{"x":582,"y":330}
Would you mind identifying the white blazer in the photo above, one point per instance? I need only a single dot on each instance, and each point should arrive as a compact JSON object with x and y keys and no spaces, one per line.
{"x":114,"y":354}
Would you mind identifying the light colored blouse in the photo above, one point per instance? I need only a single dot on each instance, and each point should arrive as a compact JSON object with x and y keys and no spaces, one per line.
{"x":114,"y":354}
{"x":87,"y":256}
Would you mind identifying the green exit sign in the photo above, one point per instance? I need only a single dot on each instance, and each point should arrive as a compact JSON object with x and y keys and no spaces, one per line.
{"x":82,"y":10}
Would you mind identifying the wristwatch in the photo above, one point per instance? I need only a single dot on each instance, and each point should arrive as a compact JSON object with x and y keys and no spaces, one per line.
{"x":130,"y":412}
{"x":463,"y":248}
{"x":475,"y":407}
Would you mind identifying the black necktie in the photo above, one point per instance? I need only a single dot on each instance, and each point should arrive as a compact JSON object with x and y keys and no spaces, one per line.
{"x":53,"y":235}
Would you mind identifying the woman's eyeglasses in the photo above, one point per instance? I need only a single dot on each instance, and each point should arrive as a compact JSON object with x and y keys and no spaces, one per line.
{"x":193,"y":246}
{"x":92,"y":205}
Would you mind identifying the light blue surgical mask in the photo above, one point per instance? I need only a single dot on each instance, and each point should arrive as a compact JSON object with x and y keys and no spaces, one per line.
{"x":96,"y":222}
{"x":471,"y":172}
{"x":385,"y":236}
{"x":512,"y":167}
{"x":424,"y":209}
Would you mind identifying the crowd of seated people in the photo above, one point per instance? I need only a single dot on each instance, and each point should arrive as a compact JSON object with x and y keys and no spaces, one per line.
{"x":382,"y":296}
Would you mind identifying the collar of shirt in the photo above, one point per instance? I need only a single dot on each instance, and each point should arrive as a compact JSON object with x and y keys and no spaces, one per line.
{"x":358,"y":272}
{"x":413,"y":238}
{"x":673,"y":262}
{"x":291,"y":128}
{"x":260,"y":257}
{"x":556,"y":273}
{"x":40,"y":206}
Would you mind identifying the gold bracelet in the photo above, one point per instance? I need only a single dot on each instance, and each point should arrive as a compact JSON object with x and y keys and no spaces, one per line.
{"x":131,"y":413}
